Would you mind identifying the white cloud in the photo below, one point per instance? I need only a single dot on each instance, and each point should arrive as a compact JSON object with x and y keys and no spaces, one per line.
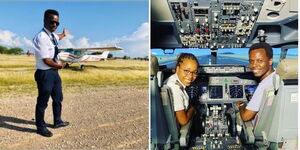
{"x":66,"y":42}
{"x":134,"y":45}
{"x":141,"y":33}
{"x":84,"y":43}
{"x":10,"y":39}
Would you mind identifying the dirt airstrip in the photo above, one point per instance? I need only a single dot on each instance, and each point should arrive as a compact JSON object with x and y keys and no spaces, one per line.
{"x":100,"y":118}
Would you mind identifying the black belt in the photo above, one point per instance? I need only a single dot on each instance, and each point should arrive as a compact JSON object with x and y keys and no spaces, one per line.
{"x":54,"y":69}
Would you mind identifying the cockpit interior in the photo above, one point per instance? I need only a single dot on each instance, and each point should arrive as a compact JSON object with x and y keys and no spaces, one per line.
{"x":214,"y":25}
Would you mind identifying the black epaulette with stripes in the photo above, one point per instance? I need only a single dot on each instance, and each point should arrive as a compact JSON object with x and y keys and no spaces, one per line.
{"x":180,"y":85}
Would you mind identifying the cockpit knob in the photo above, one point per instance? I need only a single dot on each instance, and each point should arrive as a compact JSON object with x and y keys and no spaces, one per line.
{"x":182,"y":10}
{"x":206,"y":19}
{"x":247,"y":18}
{"x":207,"y":31}
{"x":255,"y":10}
{"x":197,"y":31}
{"x":237,"y":140}
{"x":181,"y":31}
{"x":242,"y":18}
{"x":215,"y":14}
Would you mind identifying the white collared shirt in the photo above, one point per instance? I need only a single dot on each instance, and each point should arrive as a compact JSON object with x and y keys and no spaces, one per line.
{"x":180,"y":97}
{"x":256,"y":99}
{"x":44,"y":48}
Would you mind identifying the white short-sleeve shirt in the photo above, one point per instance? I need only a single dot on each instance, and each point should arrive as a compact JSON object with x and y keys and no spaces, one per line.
{"x":256,"y":99}
{"x":180,"y":97}
{"x":44,"y":48}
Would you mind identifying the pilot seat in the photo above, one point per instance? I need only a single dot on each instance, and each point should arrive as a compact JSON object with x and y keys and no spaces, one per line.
{"x":277,"y":123}
{"x":165,"y":131}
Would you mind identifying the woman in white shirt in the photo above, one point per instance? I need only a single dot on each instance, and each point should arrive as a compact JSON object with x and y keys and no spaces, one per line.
{"x":186,"y":72}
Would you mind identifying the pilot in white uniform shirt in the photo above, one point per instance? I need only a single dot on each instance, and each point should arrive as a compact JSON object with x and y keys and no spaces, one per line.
{"x":255,"y":102}
{"x":44,"y":48}
{"x":180,"y":97}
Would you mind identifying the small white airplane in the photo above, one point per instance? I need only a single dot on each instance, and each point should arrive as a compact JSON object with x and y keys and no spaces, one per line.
{"x":78,"y":55}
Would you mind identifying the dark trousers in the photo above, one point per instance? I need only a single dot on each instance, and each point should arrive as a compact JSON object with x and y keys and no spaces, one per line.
{"x":49,"y":84}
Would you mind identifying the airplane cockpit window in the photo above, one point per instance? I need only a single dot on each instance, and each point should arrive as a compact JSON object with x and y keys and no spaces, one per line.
{"x":225,"y":56}
{"x":68,"y":50}
{"x":292,"y":53}
{"x":78,"y":53}
{"x":169,"y":59}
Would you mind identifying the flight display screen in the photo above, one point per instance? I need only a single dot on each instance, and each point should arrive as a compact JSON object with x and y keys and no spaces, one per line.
{"x":236,"y":91}
{"x":215,"y":92}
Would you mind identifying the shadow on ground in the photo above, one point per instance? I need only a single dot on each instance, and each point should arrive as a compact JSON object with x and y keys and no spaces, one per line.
{"x":5,"y":122}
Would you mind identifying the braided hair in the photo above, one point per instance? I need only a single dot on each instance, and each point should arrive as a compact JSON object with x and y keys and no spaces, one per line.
{"x":183,"y":56}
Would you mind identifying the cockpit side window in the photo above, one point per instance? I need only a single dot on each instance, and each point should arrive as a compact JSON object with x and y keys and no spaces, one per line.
{"x":292,"y":53}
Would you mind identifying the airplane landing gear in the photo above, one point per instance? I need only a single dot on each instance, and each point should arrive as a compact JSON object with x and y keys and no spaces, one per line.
{"x":82,"y":67}
{"x":67,"y":65}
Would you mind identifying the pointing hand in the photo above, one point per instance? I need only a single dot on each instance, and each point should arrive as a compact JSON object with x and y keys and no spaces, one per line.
{"x":65,"y":32}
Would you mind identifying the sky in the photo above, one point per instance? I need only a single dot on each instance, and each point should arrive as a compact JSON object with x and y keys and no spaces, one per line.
{"x":90,"y":24}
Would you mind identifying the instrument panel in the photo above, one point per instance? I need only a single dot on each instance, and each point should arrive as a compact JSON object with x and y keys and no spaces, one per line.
{"x":229,"y":88}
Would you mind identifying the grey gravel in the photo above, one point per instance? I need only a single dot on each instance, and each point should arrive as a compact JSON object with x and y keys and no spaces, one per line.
{"x":100,"y":118}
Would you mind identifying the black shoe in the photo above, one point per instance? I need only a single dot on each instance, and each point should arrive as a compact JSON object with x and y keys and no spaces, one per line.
{"x":61,"y":124}
{"x":44,"y":132}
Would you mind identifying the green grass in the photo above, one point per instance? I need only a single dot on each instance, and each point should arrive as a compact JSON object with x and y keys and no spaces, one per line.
{"x":17,"y":74}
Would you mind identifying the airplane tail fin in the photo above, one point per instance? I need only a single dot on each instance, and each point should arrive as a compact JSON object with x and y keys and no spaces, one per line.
{"x":104,"y":55}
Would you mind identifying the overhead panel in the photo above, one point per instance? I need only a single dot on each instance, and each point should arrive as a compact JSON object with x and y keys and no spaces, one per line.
{"x":216,"y":23}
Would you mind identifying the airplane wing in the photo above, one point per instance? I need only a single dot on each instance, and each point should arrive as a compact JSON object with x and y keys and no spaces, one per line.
{"x":98,"y":49}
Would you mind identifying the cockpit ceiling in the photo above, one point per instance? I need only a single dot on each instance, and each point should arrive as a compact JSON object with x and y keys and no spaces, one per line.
{"x":217,"y":24}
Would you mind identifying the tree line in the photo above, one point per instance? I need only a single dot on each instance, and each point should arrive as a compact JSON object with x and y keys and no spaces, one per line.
{"x":135,"y":58}
{"x":17,"y":50}
{"x":14,"y":50}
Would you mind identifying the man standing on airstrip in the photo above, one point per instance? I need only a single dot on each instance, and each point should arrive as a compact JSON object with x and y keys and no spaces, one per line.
{"x":46,"y":76}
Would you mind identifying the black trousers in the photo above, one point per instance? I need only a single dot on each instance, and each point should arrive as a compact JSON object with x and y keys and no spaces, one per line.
{"x":49,"y":84}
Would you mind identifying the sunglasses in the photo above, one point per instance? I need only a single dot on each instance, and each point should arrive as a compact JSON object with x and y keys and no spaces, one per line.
{"x":54,"y":22}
